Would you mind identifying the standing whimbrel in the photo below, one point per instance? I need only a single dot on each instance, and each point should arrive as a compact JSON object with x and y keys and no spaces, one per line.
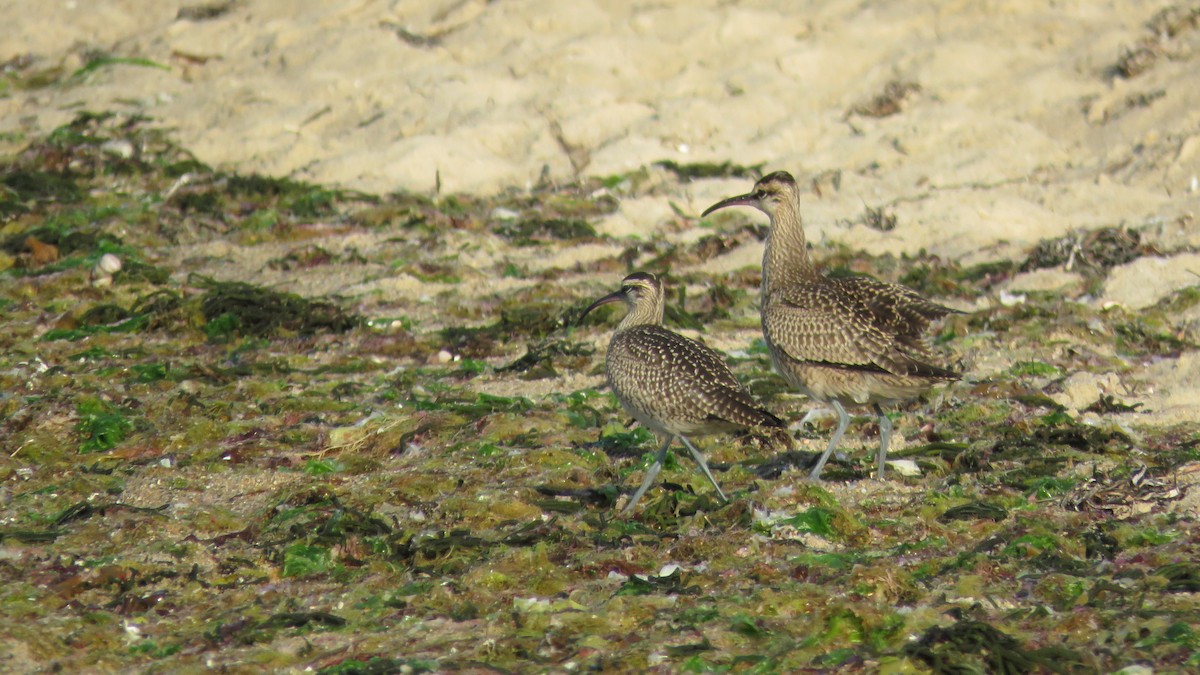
{"x":846,"y":340}
{"x":674,"y":386}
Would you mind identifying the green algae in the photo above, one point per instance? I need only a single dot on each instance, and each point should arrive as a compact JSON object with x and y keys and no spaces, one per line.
{"x":101,"y":61}
{"x":236,"y":308}
{"x":692,"y":170}
{"x":537,"y":231}
{"x":974,"y":510}
{"x":968,"y":646}
{"x":1091,"y":251}
{"x":101,"y":425}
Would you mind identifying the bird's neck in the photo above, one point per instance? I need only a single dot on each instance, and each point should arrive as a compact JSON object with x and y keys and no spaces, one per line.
{"x":785,"y":258}
{"x":643,"y":314}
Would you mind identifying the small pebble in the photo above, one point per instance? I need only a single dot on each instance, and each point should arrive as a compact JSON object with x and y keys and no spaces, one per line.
{"x":904,"y":467}
{"x":1011,"y":299}
{"x":119,"y":147}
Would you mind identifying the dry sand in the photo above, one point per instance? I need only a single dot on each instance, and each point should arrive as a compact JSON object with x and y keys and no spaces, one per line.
{"x":1022,"y":128}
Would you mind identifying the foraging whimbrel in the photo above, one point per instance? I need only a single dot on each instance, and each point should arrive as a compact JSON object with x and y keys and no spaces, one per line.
{"x":845,"y":340}
{"x":674,"y":386}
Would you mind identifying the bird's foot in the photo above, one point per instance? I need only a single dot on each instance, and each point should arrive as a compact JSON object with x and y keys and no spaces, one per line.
{"x":815,"y":413}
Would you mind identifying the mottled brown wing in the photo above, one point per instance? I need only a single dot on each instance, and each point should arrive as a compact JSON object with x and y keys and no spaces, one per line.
{"x":687,"y":376}
{"x":897,"y":309}
{"x":821,"y":323}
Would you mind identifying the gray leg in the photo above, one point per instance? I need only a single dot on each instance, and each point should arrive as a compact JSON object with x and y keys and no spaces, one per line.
{"x":651,"y":474}
{"x":885,"y":437}
{"x":704,"y":467}
{"x":843,"y":422}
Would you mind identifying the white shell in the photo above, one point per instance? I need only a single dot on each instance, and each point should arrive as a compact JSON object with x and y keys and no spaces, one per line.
{"x":108,"y":264}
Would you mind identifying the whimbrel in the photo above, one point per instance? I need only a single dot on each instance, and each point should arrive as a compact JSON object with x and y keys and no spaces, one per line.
{"x":845,"y":340}
{"x":675,"y":386}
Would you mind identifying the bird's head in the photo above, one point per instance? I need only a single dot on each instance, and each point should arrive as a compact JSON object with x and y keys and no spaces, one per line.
{"x":769,"y":193}
{"x":639,"y":288}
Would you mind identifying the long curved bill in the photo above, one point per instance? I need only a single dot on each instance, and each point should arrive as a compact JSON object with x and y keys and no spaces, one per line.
{"x":616,"y":296}
{"x":740,"y":200}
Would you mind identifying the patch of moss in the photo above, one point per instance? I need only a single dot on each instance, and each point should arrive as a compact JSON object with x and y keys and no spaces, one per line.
{"x":101,"y":425}
{"x":298,"y":198}
{"x":28,"y":189}
{"x":540,"y":358}
{"x":1035,"y":369}
{"x":1091,"y":251}
{"x":970,"y":645}
{"x":974,"y":511}
{"x":935,"y":277}
{"x":237,"y":308}
{"x":99,"y":61}
{"x":537,"y":231}
{"x":700,"y":170}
